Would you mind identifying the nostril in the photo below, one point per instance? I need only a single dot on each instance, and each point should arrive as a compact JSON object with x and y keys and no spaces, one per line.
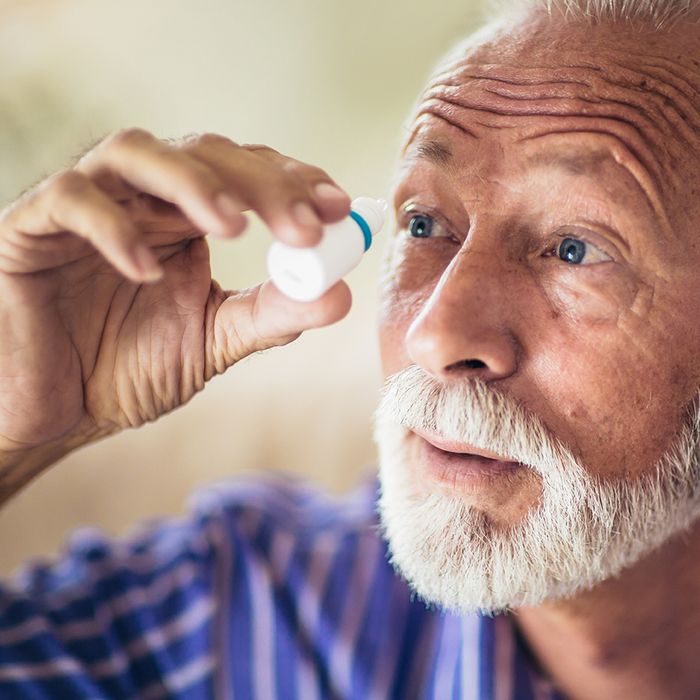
{"x":470,"y":364}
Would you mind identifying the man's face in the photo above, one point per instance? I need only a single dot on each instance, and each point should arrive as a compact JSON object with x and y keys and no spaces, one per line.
{"x":546,"y":245}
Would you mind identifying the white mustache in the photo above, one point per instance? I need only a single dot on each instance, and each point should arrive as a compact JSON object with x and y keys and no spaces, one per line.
{"x":582,"y":530}
{"x":471,"y":412}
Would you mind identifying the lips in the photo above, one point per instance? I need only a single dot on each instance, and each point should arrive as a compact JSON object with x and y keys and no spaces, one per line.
{"x":461,"y":448}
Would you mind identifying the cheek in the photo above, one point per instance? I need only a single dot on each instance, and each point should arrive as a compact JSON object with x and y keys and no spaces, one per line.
{"x":603,"y":366}
{"x":592,"y":295}
{"x":617,"y":405}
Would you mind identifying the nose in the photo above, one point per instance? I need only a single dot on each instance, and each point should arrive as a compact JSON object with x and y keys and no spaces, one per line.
{"x":463,"y":330}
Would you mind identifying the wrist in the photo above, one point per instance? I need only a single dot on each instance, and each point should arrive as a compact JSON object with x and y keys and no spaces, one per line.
{"x":19,"y":465}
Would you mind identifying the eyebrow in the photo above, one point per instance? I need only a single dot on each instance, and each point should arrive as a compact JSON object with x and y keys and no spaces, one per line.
{"x":434,"y":151}
{"x":440,"y":154}
{"x":577,"y":163}
{"x":574,"y":163}
{"x":587,"y":164}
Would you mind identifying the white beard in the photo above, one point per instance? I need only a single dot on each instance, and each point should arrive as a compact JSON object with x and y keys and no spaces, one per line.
{"x":582,"y":531}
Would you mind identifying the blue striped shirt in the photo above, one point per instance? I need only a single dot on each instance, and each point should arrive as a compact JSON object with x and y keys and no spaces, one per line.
{"x":268,"y":589}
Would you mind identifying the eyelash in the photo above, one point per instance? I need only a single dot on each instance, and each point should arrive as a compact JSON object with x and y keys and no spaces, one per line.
{"x":408,"y":216}
{"x":550,"y":251}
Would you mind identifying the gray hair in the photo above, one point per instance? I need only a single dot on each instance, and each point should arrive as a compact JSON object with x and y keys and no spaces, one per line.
{"x":658,"y":13}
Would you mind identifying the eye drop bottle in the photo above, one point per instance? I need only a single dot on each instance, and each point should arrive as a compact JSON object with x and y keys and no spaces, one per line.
{"x":305,"y":274}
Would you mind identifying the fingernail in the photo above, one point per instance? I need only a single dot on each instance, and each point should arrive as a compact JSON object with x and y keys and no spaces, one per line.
{"x":303,"y":214}
{"x":228,"y":206}
{"x":325,"y":190}
{"x":148,"y":265}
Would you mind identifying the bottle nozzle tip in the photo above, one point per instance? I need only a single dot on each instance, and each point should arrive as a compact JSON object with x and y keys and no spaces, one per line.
{"x":383,"y":204}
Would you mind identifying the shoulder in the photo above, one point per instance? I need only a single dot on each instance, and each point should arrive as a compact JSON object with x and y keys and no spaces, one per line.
{"x":288,"y":502}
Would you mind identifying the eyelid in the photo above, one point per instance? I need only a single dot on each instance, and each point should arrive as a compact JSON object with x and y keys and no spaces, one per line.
{"x":589,"y":237}
{"x":411,"y":209}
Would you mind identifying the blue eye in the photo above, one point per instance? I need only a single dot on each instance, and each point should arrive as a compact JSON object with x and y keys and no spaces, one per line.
{"x":572,"y":251}
{"x":420,"y":226}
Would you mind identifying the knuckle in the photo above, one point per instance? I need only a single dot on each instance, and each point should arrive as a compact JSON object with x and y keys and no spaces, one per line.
{"x":65,"y":185}
{"x":208,"y":140}
{"x":306,"y":172}
{"x":293,"y":167}
{"x":261,"y":149}
{"x":132,"y":136}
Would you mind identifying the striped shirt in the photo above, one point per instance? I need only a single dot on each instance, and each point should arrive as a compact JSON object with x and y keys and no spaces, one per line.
{"x":267,"y":589}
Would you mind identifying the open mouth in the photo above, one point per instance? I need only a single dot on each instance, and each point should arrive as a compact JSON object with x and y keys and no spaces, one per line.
{"x":451,"y":461}
{"x":460,"y":448}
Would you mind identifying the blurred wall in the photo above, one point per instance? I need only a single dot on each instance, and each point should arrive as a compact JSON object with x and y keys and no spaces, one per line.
{"x":325,"y":81}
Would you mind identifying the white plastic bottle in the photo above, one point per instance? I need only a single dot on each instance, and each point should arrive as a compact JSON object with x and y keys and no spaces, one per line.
{"x":305,"y":274}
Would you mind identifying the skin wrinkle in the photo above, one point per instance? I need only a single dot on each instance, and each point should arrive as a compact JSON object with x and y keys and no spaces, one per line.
{"x":444,"y":90}
{"x":669,"y":89}
{"x":437,"y":108}
{"x":572,"y":108}
{"x":672,"y":131}
{"x":643,"y":300}
{"x":669,"y":68}
{"x":420,"y":120}
{"x":673,"y":125}
{"x":462,"y":72}
{"x":535,"y":82}
{"x":615,"y":389}
{"x":461,"y":126}
{"x":660,"y":83}
{"x":679,"y":111}
{"x":489,"y":126}
{"x":618,"y":311}
{"x":672,"y":95}
{"x":648,"y":185}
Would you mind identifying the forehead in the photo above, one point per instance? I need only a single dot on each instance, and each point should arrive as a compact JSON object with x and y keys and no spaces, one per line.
{"x":594,"y":162}
{"x":622,"y":93}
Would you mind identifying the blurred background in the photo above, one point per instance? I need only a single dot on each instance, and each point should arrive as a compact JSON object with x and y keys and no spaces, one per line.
{"x":325,"y":81}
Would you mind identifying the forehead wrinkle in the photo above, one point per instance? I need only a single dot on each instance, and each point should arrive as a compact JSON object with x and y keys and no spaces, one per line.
{"x":670,"y":70}
{"x":646,"y":176}
{"x":637,"y":115}
{"x":648,"y":183}
{"x":507,"y":114}
{"x":674,"y":94}
{"x":547,"y":95}
{"x":650,"y":83}
{"x":418,"y":122}
{"x":471,"y":72}
{"x":546,"y":98}
{"x":675,"y":101}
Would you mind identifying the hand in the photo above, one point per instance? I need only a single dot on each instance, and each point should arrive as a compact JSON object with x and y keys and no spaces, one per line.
{"x":108,"y":311}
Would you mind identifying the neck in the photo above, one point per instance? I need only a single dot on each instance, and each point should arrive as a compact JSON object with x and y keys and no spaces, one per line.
{"x":635,"y":636}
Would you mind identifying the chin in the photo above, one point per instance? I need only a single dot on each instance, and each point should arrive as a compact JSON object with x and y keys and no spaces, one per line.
{"x":491,"y":543}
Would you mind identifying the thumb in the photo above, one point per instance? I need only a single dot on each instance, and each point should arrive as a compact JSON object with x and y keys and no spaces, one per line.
{"x":261,"y":317}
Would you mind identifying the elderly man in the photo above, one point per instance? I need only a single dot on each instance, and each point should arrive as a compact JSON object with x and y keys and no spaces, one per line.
{"x":538,"y":435}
